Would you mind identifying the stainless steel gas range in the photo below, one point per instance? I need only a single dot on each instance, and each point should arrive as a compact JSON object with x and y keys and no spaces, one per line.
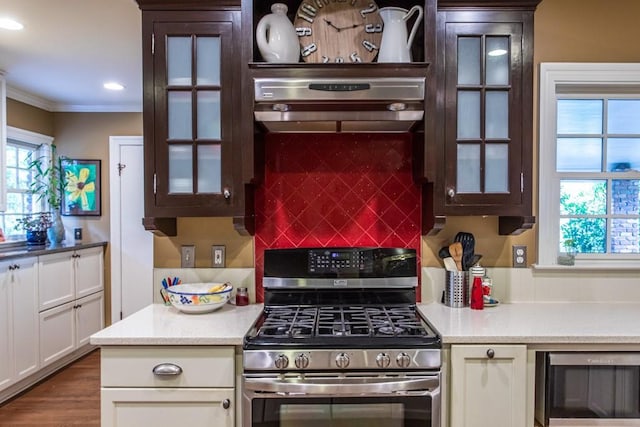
{"x":340,"y":343}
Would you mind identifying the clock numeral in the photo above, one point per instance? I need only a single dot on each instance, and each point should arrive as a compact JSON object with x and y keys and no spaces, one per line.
{"x":319,"y":3}
{"x":372,"y":8}
{"x":355,"y":57}
{"x":309,"y":10}
{"x":369,"y":46}
{"x":373,"y":28}
{"x":325,"y":59}
{"x":339,"y":60}
{"x":305,"y":17}
{"x":308,"y":50}
{"x":303,"y":31}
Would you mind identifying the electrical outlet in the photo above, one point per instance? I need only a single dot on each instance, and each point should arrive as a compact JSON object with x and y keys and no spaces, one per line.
{"x":519,"y":256}
{"x":188,"y":256}
{"x":217,"y":256}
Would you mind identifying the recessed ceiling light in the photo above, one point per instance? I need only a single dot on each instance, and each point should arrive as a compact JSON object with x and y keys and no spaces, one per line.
{"x":10,"y":24}
{"x":113,"y":86}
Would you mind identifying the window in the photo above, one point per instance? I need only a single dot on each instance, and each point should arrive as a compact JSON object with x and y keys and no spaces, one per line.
{"x":20,"y":144}
{"x":589,"y":190}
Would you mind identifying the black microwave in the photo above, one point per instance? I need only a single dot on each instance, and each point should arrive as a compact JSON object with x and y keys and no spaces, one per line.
{"x":588,"y":389}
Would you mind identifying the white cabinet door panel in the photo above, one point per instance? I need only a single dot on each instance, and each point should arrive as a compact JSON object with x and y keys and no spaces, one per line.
{"x":167,"y":407}
{"x":6,"y":332}
{"x":89,"y":269}
{"x":57,"y":333}
{"x":89,"y":317}
{"x":25,"y":317}
{"x":55,"y":274}
{"x":488,"y":385}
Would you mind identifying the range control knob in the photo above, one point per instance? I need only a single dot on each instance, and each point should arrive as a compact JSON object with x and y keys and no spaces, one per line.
{"x":383,"y":360}
{"x":403,"y":360}
{"x":301,"y":361}
{"x":281,"y":361}
{"x":342,"y":360}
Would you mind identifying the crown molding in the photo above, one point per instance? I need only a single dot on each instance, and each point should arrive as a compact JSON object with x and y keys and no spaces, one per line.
{"x":30,"y":99}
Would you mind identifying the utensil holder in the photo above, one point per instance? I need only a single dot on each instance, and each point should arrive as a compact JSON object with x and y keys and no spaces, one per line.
{"x":456,"y":289}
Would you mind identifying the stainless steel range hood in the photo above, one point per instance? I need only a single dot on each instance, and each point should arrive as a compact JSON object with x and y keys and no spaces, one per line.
{"x":381,"y":104}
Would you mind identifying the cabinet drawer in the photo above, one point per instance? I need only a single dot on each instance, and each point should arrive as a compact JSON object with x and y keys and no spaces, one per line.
{"x":133,"y":366}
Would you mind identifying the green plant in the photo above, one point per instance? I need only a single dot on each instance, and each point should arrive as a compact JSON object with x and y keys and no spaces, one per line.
{"x":40,"y":221}
{"x":48,"y":179}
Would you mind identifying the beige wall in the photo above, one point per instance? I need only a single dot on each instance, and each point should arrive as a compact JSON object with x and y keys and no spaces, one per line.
{"x":29,"y":118}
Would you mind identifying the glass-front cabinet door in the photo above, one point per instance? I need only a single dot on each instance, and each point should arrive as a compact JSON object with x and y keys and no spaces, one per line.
{"x":193,"y":103}
{"x":483,"y":116}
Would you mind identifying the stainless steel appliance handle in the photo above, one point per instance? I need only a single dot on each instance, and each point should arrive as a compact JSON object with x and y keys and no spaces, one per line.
{"x":343,"y":386}
{"x":594,"y":359}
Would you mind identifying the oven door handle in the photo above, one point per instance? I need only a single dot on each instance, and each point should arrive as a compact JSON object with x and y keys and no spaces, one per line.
{"x":344,"y":386}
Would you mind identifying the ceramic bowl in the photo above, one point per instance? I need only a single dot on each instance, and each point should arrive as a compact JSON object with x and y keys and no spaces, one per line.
{"x":198,"y":298}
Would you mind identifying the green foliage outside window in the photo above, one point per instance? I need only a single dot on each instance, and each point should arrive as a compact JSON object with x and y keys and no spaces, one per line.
{"x":587,"y":234}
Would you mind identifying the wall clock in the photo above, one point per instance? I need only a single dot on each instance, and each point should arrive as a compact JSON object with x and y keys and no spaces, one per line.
{"x":338,"y":30}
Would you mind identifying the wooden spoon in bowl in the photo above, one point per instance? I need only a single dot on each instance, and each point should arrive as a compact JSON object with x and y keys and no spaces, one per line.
{"x":455,"y":249}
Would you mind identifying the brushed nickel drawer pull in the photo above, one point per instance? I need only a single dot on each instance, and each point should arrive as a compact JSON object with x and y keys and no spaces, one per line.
{"x":167,"y":369}
{"x":226,"y":403}
{"x":491,"y":353}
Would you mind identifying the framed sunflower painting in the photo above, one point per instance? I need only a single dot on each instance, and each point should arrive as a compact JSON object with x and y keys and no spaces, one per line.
{"x":81,"y":187}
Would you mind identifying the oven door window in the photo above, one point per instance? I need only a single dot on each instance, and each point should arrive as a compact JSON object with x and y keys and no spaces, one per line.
{"x":414,"y":411}
{"x":594,"y":392}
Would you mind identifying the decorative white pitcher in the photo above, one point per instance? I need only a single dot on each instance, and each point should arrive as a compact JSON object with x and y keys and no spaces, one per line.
{"x":395,"y":47}
{"x":277,"y":39}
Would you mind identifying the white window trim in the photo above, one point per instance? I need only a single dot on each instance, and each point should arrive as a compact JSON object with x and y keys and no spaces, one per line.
{"x":553,"y":75}
{"x":3,"y":142}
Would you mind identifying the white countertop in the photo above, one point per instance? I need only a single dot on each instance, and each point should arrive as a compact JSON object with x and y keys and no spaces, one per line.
{"x":520,"y":323}
{"x":537,"y":323}
{"x":158,"y":324}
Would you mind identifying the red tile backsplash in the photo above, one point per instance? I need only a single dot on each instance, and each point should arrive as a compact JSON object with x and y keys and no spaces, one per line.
{"x":336,"y":190}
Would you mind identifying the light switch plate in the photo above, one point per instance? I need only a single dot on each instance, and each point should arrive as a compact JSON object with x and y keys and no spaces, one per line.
{"x":188,"y":256}
{"x":217,"y":256}
{"x":519,"y":253}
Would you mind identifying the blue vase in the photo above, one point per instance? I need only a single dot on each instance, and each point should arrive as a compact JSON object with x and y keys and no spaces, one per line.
{"x":55,"y":232}
{"x":36,"y":237}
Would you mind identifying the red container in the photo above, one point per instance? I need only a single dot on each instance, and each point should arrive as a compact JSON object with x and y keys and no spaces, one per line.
{"x":477,"y":297}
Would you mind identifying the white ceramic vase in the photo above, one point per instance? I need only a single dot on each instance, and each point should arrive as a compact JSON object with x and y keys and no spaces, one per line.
{"x":395,"y":45}
{"x":276,"y":37}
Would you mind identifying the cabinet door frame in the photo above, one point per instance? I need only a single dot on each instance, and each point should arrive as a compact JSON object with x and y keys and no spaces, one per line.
{"x":56,"y":279}
{"x":462,"y":387}
{"x":86,"y":263}
{"x":518,"y":26}
{"x":149,"y":398}
{"x":66,"y":336}
{"x":158,"y":201}
{"x":26,"y":327}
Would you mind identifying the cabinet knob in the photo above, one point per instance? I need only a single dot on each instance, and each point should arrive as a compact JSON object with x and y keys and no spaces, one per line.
{"x":226,"y":403}
{"x":451,"y":192}
{"x":226,"y":192}
{"x":167,"y":369}
{"x":491,"y":353}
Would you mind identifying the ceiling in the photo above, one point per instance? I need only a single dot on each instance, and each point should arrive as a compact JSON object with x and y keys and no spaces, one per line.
{"x":68,"y":49}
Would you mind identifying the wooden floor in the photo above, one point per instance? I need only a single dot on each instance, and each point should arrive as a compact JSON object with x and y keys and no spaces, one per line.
{"x":70,"y":397}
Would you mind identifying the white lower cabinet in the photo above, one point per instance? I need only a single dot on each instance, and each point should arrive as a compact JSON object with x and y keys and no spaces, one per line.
{"x":167,"y":386}
{"x":71,"y":301}
{"x":18,"y":320}
{"x":488,"y":386}
{"x":68,"y":327}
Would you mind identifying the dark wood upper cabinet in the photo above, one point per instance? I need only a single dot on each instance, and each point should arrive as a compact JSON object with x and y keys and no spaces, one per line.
{"x":191,"y":112}
{"x":484,"y":108}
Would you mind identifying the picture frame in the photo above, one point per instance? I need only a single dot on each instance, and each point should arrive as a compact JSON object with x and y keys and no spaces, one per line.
{"x":81,"y":195}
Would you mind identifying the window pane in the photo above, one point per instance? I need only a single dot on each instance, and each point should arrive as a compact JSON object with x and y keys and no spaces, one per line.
{"x":497,"y":115}
{"x":468,"y":114}
{"x":579,"y":155}
{"x":623,"y":154}
{"x":24,"y":157}
{"x":209,"y":115}
{"x":497,"y":61}
{"x":625,"y":194}
{"x":624,"y":116}
{"x":583,"y":197}
{"x":12,"y":156}
{"x":468,"y":178}
{"x":469,"y":60}
{"x":208,"y":60}
{"x":180,"y":169}
{"x":179,"y":61}
{"x":580,"y":116}
{"x":209,"y":169}
{"x":179,"y":111}
{"x":589,"y":235}
{"x":12,"y":179}
{"x":497,"y":168}
{"x":625,"y":238}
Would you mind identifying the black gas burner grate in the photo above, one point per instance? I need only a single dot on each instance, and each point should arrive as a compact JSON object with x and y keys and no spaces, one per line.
{"x":341,"y":321}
